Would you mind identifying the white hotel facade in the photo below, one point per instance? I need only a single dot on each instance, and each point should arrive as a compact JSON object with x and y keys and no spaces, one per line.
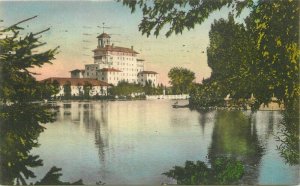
{"x":113,"y":64}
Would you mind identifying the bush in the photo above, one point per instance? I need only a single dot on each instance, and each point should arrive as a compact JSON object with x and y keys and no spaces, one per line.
{"x":223,"y":171}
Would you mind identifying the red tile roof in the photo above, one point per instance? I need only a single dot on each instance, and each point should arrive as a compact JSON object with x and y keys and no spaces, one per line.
{"x":103,"y":35}
{"x":148,"y":72}
{"x":76,"y":81}
{"x":116,"y":49}
{"x":109,"y":70}
{"x":77,"y":70}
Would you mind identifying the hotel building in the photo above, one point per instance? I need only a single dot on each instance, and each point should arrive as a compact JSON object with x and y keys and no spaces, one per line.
{"x":113,"y":64}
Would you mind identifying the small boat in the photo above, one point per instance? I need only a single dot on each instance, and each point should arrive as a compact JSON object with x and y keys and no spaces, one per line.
{"x":180,"y":106}
{"x":175,"y":104}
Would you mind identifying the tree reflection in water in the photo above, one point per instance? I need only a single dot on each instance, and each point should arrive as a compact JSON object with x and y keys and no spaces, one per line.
{"x":234,"y":142}
{"x":289,"y":135}
{"x":20,"y":128}
{"x":235,"y":136}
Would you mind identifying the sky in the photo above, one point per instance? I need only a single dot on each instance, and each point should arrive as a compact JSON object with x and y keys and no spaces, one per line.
{"x":74,"y":26}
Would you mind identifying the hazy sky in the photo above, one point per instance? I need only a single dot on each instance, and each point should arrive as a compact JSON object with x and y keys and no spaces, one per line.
{"x":74,"y":27}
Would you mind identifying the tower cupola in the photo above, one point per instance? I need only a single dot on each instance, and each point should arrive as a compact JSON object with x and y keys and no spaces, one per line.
{"x":103,"y":40}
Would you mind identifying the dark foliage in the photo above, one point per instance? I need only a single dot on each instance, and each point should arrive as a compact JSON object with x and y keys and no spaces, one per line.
{"x":223,"y":171}
{"x":181,"y":80}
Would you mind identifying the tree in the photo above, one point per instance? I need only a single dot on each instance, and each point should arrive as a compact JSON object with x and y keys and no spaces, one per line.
{"x":80,"y":91}
{"x":230,"y":56}
{"x":52,"y":178}
{"x":179,"y":15}
{"x":20,"y":119}
{"x":126,"y":89}
{"x":208,"y":94}
{"x":50,"y":89}
{"x":181,"y":80}
{"x":87,"y":87}
{"x":274,"y":26}
{"x":17,"y":83}
{"x":67,"y":90}
{"x":149,"y":88}
{"x":223,"y":171}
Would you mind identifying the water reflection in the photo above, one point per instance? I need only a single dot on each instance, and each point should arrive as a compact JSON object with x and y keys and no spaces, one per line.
{"x":134,"y":142}
{"x":235,"y":135}
{"x":19,"y":131}
{"x":92,"y":117}
{"x":288,"y":136}
{"x":244,"y":136}
{"x":204,"y":118}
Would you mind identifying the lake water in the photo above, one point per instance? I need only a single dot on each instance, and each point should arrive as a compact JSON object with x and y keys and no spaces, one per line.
{"x":134,"y":142}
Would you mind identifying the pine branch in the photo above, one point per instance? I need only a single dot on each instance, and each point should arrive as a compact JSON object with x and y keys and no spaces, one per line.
{"x":22,"y":21}
{"x":41,"y":31}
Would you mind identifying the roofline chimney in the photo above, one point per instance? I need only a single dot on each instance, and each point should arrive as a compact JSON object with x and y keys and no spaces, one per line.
{"x":131,"y":47}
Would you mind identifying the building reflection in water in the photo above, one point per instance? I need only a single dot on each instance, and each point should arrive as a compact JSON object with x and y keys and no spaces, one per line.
{"x":90,"y":117}
{"x":128,"y":138}
{"x":206,"y":117}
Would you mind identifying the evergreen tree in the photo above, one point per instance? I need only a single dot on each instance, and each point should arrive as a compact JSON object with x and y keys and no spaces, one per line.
{"x":17,"y":83}
{"x":20,"y":119}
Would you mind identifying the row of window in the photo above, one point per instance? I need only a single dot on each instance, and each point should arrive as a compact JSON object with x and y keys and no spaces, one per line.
{"x":133,"y":80}
{"x":122,"y":74}
{"x":121,"y":53}
{"x":125,"y":64}
{"x":112,"y":57}
{"x":123,"y":58}
{"x":113,"y":73}
{"x":91,"y":68}
{"x":149,"y":75}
